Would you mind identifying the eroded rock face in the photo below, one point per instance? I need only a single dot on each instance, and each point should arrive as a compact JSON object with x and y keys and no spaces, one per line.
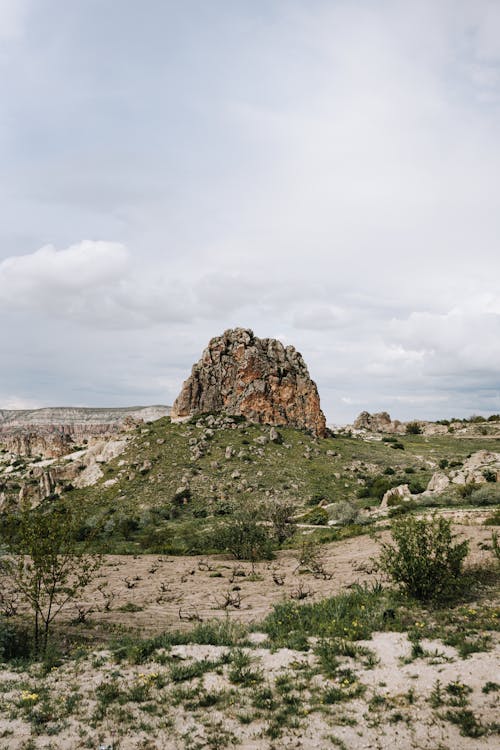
{"x":260,"y":379}
{"x":380,"y":422}
{"x":54,"y":432}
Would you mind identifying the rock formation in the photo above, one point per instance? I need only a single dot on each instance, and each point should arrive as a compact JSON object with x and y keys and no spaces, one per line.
{"x":482,"y":466}
{"x":380,"y":422}
{"x":260,"y":379}
{"x":53,"y":432}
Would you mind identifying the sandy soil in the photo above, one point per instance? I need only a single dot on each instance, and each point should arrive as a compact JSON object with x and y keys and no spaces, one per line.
{"x":170,"y":590}
{"x":394,"y":711}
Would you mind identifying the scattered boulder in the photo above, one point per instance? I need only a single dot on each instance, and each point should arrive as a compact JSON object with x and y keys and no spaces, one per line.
{"x":380,"y":422}
{"x":401,"y":492}
{"x":438,"y":482}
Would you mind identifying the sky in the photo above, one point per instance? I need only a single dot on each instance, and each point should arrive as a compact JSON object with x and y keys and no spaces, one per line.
{"x":323,"y":172}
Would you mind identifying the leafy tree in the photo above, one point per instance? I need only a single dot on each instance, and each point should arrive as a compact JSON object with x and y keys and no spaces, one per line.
{"x":424,"y":559}
{"x":46,"y":566}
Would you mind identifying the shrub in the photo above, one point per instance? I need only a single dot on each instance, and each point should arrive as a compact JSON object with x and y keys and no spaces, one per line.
{"x":315,"y":516}
{"x":244,"y":537}
{"x":280,"y":514}
{"x":487,"y":494}
{"x":14,"y":641}
{"x":413,"y":428}
{"x":489,"y":475}
{"x":345,"y":512}
{"x":425,"y":559}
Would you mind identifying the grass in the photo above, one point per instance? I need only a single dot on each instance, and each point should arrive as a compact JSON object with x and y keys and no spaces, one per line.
{"x":143,"y":511}
{"x":352,"y":616}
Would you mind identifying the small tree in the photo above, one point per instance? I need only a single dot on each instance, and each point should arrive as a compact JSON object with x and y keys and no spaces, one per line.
{"x":425,"y":559}
{"x":46,"y":566}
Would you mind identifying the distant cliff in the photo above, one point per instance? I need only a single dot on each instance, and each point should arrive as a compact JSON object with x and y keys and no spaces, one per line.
{"x":52,"y":432}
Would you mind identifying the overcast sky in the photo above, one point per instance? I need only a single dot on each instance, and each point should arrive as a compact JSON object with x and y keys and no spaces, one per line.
{"x":327,"y":173}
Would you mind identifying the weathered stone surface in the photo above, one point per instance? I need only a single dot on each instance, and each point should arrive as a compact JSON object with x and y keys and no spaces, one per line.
{"x":474,"y":469}
{"x":402,"y":491}
{"x":259,"y":379}
{"x":438,"y":482}
{"x":380,"y":422}
{"x":53,"y":432}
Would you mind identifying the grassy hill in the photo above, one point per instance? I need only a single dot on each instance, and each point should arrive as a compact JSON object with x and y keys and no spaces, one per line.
{"x":174,"y":481}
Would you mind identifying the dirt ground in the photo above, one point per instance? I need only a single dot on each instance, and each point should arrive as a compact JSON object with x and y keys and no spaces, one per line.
{"x":149,"y":710}
{"x":169,"y":591}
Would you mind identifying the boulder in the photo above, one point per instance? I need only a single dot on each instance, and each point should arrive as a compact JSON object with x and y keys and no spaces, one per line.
{"x":401,"y":491}
{"x":438,"y":482}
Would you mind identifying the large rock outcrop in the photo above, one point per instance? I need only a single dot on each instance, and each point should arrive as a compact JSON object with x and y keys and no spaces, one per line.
{"x":380,"y":422}
{"x":260,"y":379}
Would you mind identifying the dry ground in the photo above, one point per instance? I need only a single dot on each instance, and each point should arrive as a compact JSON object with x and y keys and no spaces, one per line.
{"x":395,"y":697}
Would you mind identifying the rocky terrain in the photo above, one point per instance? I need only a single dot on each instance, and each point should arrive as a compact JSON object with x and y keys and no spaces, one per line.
{"x":52,"y":432}
{"x":191,"y":637}
{"x":381,"y":423}
{"x":260,"y":379}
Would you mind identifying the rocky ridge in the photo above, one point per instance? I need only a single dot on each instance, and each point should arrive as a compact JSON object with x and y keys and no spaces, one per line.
{"x":54,"y":432}
{"x":260,"y":379}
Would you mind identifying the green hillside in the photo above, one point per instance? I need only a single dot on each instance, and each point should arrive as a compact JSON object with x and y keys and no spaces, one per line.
{"x":174,"y":481}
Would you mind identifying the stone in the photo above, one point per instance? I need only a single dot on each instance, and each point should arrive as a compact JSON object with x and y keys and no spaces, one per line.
{"x":401,"y":491}
{"x":380,"y":422}
{"x":438,"y":482}
{"x":260,"y":379}
{"x":274,"y":436}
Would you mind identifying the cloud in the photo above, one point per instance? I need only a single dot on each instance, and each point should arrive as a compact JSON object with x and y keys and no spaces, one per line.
{"x":63,"y":282}
{"x":12,"y":18}
{"x":323,"y":172}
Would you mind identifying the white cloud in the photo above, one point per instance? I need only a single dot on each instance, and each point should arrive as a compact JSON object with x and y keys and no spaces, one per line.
{"x":18,"y":402}
{"x":63,"y":282}
{"x":12,"y":18}
{"x":332,"y":177}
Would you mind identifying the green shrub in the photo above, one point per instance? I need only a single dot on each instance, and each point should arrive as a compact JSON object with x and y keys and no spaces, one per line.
{"x":487,"y":494}
{"x":244,"y":538}
{"x":315,"y":516}
{"x":413,"y":428}
{"x":15,"y":642}
{"x":489,"y":475}
{"x":425,"y":559}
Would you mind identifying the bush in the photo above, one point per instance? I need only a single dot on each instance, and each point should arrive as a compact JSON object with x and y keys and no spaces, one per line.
{"x":244,"y":538}
{"x":487,"y":494}
{"x":280,"y":514}
{"x":425,"y":559}
{"x":315,"y":516}
{"x":413,"y":428}
{"x":15,"y":642}
{"x":345,"y":512}
{"x":489,"y":475}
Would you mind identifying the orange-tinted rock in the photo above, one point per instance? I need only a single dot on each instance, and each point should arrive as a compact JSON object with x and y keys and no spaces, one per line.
{"x":260,"y":379}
